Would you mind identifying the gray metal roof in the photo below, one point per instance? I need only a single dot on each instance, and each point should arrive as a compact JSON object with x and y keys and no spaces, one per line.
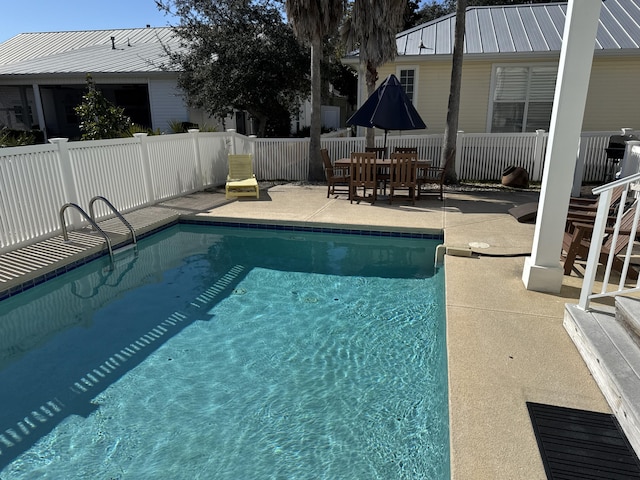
{"x":536,"y":28}
{"x":137,"y":50}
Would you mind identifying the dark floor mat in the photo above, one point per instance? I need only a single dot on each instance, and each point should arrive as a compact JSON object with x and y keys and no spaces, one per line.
{"x":578,"y":444}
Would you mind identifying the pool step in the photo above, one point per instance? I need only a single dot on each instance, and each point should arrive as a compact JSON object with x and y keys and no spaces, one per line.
{"x":611,"y":351}
{"x":628,"y":313}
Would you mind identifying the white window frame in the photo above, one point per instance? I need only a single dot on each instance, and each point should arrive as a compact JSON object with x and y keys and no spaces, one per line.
{"x":415,"y":69}
{"x":492,"y":90}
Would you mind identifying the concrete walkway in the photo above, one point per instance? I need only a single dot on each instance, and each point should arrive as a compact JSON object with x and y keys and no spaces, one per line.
{"x":506,"y":345}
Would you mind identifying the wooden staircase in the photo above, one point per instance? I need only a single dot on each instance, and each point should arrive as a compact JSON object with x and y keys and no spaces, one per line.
{"x":608,"y":338}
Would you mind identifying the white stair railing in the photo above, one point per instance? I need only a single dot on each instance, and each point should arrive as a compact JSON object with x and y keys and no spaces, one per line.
{"x":610,"y":288}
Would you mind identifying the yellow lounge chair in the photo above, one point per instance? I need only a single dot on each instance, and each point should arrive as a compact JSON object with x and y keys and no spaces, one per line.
{"x":241,"y":181}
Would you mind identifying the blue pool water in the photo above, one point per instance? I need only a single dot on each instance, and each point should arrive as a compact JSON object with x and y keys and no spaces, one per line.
{"x":227,"y":353}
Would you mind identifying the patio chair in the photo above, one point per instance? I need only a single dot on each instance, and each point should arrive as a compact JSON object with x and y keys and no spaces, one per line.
{"x":432,"y":175}
{"x":336,"y":176}
{"x":577,"y":240}
{"x":383,"y":172}
{"x":241,"y":181}
{"x":403,"y":175}
{"x":363,"y":175}
{"x":526,"y":213}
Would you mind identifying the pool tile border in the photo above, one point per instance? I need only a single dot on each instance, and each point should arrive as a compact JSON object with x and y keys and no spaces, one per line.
{"x":314,"y":229}
{"x":28,"y":284}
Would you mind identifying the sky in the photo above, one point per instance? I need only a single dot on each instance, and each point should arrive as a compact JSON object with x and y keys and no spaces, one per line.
{"x":25,"y":16}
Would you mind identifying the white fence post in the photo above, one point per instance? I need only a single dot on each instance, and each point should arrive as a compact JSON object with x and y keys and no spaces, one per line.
{"x":459,"y":148}
{"x":232,"y":146}
{"x":538,"y":155}
{"x":146,"y":168}
{"x":69,"y":187}
{"x":578,"y":173}
{"x":196,"y":151}
{"x":630,"y":163}
{"x":252,"y":145}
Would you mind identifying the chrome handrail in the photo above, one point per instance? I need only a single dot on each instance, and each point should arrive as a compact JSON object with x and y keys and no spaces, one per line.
{"x":115,"y":211}
{"x":65,"y":234}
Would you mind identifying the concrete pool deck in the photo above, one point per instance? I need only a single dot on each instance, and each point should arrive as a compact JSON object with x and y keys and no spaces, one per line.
{"x":506,"y":345}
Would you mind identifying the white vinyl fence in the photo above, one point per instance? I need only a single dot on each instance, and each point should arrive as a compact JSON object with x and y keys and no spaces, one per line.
{"x":36,"y":181}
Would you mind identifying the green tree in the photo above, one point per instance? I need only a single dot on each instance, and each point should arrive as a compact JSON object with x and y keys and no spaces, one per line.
{"x":238,"y":54}
{"x":429,"y":12}
{"x":371,"y":27}
{"x":99,"y":118}
{"x":312,"y":21}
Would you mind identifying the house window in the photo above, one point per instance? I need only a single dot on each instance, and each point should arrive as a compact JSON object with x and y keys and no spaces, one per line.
{"x":522,"y":98}
{"x":20,"y":117}
{"x":408,"y":82}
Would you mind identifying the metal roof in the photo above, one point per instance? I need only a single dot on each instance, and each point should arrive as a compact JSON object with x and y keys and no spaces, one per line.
{"x":535,"y":28}
{"x":136,"y":50}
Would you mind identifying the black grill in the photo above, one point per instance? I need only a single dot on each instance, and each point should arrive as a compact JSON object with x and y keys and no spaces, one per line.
{"x":617,"y":144}
{"x":615,"y":152}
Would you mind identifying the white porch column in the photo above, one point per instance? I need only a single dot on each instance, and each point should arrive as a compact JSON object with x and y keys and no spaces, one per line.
{"x":40,"y":110}
{"x":543,"y":271}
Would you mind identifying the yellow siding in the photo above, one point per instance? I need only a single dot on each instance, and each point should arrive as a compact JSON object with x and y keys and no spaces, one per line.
{"x":614,"y":97}
{"x":432,"y":93}
{"x":613,"y":101}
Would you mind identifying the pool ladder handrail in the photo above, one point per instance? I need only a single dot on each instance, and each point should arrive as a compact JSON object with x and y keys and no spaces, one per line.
{"x":116,"y":212}
{"x":65,"y":234}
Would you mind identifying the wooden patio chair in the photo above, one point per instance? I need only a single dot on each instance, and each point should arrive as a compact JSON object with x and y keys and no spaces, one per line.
{"x":527,"y":212}
{"x":432,"y":175}
{"x":363,"y":175}
{"x":241,"y":181}
{"x":336,"y":176}
{"x":577,"y":240}
{"x":403,"y":175}
{"x":383,"y":172}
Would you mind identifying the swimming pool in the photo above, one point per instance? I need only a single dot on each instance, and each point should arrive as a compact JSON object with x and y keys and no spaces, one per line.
{"x":231,"y":353}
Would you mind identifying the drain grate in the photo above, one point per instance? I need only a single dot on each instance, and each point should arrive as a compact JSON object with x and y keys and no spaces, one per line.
{"x":578,"y":444}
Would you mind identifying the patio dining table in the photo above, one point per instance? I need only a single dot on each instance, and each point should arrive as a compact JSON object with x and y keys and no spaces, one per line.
{"x":381,"y":162}
{"x":343,"y":163}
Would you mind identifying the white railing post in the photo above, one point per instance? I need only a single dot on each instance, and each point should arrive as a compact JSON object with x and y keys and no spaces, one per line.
{"x":69,"y":186}
{"x":538,"y":155}
{"x":196,"y":151}
{"x":459,"y":148}
{"x":146,"y":168}
{"x":595,"y":248}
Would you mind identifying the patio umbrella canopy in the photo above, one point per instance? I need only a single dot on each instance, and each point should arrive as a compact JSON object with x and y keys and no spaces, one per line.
{"x":388,"y":108}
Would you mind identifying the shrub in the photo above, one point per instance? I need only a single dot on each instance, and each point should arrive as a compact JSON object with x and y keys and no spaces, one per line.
{"x":99,"y":118}
{"x":17,"y":138}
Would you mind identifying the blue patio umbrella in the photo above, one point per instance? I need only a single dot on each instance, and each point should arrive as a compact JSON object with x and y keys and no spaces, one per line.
{"x":388,"y":108}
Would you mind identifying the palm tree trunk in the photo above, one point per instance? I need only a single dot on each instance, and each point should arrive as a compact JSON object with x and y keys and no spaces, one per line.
{"x":316,"y":171}
{"x":451,"y":129}
{"x":371,"y":77}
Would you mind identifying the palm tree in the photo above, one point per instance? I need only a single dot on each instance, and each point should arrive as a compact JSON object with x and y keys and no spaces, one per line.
{"x":451,"y":130}
{"x":312,"y":21}
{"x":372,"y":27}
